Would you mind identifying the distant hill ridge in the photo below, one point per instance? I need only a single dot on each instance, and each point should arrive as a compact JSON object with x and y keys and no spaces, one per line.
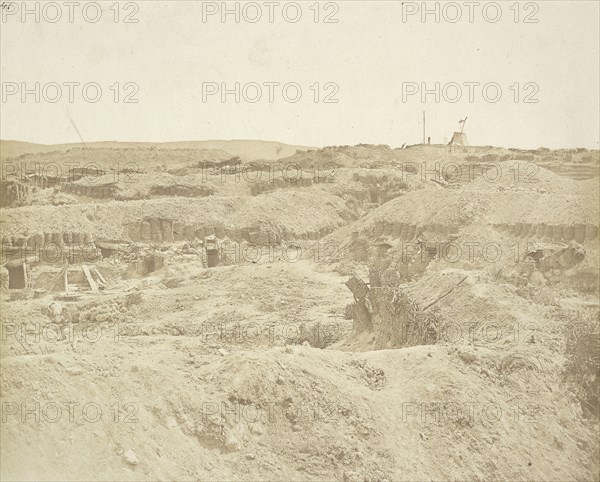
{"x":247,"y":150}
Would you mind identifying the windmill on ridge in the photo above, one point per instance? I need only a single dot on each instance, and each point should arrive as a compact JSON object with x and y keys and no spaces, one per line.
{"x":460,"y":138}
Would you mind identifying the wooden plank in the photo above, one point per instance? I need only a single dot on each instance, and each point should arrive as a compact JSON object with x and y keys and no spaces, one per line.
{"x":100,"y":277}
{"x":91,"y":281}
{"x":358,"y":287}
{"x":445,"y":294}
{"x":25,"y":275}
{"x":58,"y":277}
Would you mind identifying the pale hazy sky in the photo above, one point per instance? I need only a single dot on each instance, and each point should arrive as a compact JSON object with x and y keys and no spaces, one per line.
{"x":369,"y":53}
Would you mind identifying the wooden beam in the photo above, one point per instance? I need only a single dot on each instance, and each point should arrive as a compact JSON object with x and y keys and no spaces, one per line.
{"x":25,"y":275}
{"x":55,"y":281}
{"x":91,"y":281}
{"x":445,"y":294}
{"x":100,"y":277}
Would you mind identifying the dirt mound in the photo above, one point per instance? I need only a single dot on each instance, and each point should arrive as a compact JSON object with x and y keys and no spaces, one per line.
{"x":233,"y":413}
{"x":51,"y":196}
{"x":521,"y":176}
{"x":475,"y":308}
{"x":338,"y":414}
{"x":115,"y":160}
{"x":287,"y":211}
{"x":433,"y":209}
{"x":367,"y":155}
{"x":450,"y":305}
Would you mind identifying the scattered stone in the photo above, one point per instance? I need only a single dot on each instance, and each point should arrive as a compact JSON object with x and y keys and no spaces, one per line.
{"x":257,"y":428}
{"x":131,"y":458}
{"x":467,"y":357}
{"x":231,"y":443}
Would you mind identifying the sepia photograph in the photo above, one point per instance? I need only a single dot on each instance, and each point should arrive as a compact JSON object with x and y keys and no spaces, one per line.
{"x":325,"y":241}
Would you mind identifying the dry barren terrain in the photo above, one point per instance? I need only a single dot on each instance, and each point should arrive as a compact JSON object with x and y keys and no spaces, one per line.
{"x":231,"y":311}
